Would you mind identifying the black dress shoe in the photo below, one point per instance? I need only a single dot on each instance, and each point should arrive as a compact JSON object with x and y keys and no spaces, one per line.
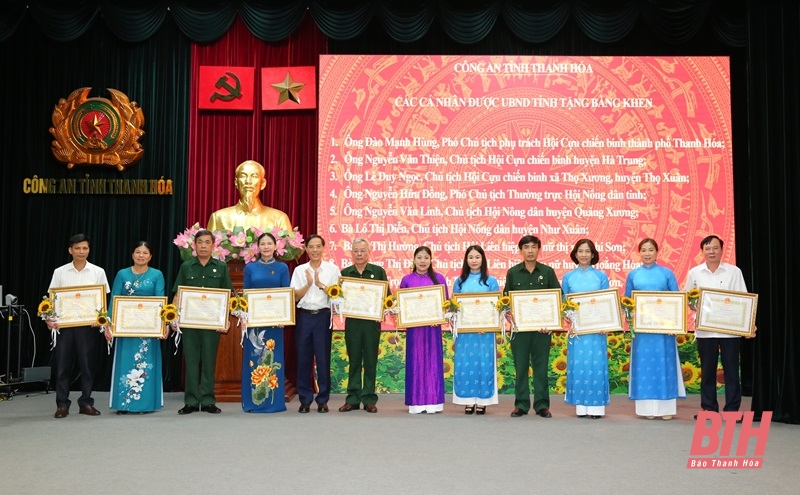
{"x":121,"y":413}
{"x":187,"y":409}
{"x":595,"y":416}
{"x":349,"y":407}
{"x":517,"y":412}
{"x":304,"y":408}
{"x":89,"y":411}
{"x":545,"y":413}
{"x":211,"y":408}
{"x":322,"y":408}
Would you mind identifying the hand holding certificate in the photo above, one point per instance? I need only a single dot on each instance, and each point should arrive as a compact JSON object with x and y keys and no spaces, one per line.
{"x":203,"y":308}
{"x":420,"y":306}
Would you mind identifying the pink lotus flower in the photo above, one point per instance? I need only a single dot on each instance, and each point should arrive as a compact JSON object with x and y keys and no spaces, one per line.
{"x":239,"y":240}
{"x":220,"y":253}
{"x":257,"y":231}
{"x":296,"y":241}
{"x":183,"y":240}
{"x":280,"y":246}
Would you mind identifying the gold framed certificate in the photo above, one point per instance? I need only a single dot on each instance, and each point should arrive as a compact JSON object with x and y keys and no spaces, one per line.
{"x":270,"y":307}
{"x":139,"y":317}
{"x":363,"y":298}
{"x":420,"y":306}
{"x":659,"y":312}
{"x":598,"y":311}
{"x":78,"y":306}
{"x":478,"y":312}
{"x":536,"y":310}
{"x":203,"y":308}
{"x":726,"y":311}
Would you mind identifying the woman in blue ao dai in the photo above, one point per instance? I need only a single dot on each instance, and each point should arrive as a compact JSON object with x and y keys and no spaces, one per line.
{"x":656,"y":379}
{"x":136,"y":380}
{"x":262,"y":360}
{"x":424,"y":353}
{"x":587,"y":355}
{"x":475,"y":366}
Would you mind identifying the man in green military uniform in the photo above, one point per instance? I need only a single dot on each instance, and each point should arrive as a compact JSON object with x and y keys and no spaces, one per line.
{"x":531,"y":347}
{"x":362,"y":337}
{"x":200,"y":346}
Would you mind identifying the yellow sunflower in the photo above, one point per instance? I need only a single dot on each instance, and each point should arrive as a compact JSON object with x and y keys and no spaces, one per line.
{"x":45,"y":307}
{"x":243,"y":303}
{"x":334,"y":291}
{"x":681,"y":339}
{"x":504,"y":302}
{"x":448,"y":366}
{"x":234,"y":304}
{"x":561,"y":384}
{"x":559,"y":364}
{"x":502,"y":351}
{"x":614,"y":341}
{"x":500,"y":381}
{"x":102,"y":318}
{"x":691,"y":374}
{"x":625,"y":366}
{"x":170,"y":315}
{"x":626,"y":302}
{"x":390,"y":302}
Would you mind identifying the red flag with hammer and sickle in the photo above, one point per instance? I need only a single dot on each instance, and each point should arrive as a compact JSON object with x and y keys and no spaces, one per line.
{"x":226,"y":88}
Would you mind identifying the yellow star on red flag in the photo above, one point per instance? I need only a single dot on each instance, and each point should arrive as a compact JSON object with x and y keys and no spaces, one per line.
{"x":288,"y":89}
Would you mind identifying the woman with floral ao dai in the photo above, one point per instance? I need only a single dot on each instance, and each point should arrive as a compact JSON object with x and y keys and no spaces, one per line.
{"x":424,"y":365}
{"x":475,"y":366}
{"x":136,"y":379}
{"x":656,"y":378}
{"x":262,"y":359}
{"x":587,"y":355}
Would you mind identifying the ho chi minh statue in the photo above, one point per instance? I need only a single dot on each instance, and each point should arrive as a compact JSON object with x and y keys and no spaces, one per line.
{"x":249,"y":211}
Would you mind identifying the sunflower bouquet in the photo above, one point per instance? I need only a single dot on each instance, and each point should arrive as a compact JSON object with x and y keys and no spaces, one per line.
{"x":104,"y":323}
{"x":503,"y":306}
{"x":47,"y":308}
{"x":693,"y":297}
{"x":169,"y":314}
{"x":390,"y":305}
{"x":451,"y":307}
{"x":626,"y":303}
{"x":335,"y":298}
{"x":569,"y":310}
{"x":238,"y":306}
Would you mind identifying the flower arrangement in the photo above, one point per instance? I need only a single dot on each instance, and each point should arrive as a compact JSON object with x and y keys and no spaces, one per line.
{"x":169,"y":314}
{"x":335,"y":298}
{"x":569,"y":310}
{"x":241,"y":243}
{"x":693,"y":297}
{"x":47,"y":308}
{"x":390,"y":304}
{"x":238,"y":306}
{"x":503,"y":305}
{"x":451,"y":307}
{"x":103,"y":322}
{"x":626,"y":303}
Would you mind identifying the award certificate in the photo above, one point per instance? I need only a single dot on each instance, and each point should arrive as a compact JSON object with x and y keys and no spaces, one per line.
{"x":270,"y":307}
{"x":728,"y":312}
{"x":598,"y":311}
{"x":420,"y":306}
{"x":203,"y":308}
{"x":536,"y":310}
{"x":78,"y":306}
{"x":363,"y":298}
{"x":139,"y":317}
{"x":478,"y":312}
{"x":659,"y":312}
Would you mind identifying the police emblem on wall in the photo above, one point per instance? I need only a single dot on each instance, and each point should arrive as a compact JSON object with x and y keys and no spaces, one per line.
{"x":97,"y":131}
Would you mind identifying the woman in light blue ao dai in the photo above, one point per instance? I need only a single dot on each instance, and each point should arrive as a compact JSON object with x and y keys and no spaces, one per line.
{"x":587,"y":355}
{"x":656,"y":378}
{"x":475,"y":360}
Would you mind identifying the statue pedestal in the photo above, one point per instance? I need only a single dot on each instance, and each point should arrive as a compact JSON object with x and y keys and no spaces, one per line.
{"x":228,"y":377}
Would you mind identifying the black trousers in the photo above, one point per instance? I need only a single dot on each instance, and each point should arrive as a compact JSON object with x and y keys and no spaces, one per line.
{"x":76,"y":344}
{"x":709,"y":350}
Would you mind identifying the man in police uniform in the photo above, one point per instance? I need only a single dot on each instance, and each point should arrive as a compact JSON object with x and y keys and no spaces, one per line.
{"x":200,"y":346}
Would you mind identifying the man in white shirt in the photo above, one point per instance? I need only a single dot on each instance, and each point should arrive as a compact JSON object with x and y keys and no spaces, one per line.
{"x":716,"y":274}
{"x":77,"y":343}
{"x":313,"y":329}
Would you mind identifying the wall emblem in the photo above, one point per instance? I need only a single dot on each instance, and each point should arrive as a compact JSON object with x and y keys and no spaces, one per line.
{"x":97,"y":131}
